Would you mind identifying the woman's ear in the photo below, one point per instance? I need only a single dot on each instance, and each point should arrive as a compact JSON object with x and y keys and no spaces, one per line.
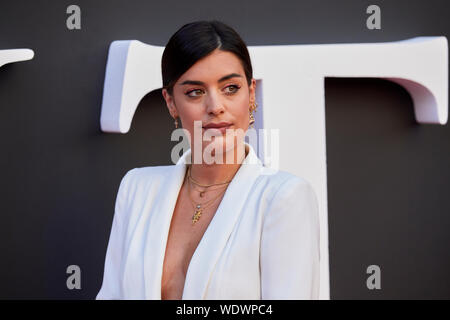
{"x":170,"y":103}
{"x":252,"y":90}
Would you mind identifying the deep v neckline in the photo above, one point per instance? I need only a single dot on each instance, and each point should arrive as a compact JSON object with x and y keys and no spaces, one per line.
{"x":203,"y":236}
{"x":212,"y":242}
{"x":167,"y":234}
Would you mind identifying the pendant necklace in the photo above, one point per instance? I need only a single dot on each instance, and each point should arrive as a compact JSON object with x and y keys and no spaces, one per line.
{"x":199,"y":207}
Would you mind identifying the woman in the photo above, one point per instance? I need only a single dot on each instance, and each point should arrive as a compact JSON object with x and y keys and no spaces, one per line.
{"x":212,"y":229}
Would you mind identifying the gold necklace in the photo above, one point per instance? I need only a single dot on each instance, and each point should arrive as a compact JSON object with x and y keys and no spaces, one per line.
{"x":204,"y":185}
{"x":198,"y":208}
{"x":203,"y":191}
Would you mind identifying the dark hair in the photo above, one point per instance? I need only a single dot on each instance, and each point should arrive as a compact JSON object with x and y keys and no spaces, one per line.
{"x":196,"y":40}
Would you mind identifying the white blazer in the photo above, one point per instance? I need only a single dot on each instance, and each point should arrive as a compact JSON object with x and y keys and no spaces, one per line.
{"x":262,"y":243}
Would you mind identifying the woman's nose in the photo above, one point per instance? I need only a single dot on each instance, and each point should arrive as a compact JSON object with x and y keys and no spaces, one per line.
{"x":214,"y":105}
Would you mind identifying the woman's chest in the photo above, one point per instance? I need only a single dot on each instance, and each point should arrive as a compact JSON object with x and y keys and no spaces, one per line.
{"x":183,"y":239}
{"x":213,"y":258}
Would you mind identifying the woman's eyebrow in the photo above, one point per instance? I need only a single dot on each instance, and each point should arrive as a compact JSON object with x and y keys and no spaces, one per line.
{"x":196,"y":82}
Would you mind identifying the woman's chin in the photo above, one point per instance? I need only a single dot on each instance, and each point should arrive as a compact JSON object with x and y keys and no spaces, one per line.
{"x":218,"y":146}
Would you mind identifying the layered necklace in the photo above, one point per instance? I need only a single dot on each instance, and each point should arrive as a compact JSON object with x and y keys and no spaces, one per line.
{"x":199,"y":207}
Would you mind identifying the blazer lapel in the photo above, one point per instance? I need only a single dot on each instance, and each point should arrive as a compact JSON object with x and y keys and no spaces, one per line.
{"x":219,"y":230}
{"x":215,"y":237}
{"x":158,"y":230}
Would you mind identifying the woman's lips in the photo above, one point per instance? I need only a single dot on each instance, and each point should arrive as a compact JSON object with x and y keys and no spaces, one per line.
{"x":221,"y":130}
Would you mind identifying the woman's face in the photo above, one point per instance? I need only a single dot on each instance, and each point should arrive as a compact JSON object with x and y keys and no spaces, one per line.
{"x":213,"y":90}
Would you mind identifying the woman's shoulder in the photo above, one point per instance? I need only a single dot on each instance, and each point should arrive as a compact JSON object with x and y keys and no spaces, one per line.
{"x":290,"y":196}
{"x":145,"y":175}
{"x":286,"y":187}
{"x":280,"y":178}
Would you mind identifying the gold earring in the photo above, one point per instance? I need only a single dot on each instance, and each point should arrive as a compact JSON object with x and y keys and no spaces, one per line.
{"x":252,"y":118}
{"x":176,"y":122}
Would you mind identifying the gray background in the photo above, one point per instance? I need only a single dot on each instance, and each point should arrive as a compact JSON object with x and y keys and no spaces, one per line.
{"x":388,"y":177}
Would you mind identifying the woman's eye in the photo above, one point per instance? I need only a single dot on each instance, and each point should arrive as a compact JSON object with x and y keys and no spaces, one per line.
{"x":189,"y":93}
{"x":231,"y":89}
{"x":234,"y":88}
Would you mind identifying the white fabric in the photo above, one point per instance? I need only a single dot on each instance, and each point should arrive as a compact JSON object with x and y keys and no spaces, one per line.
{"x":262,"y":243}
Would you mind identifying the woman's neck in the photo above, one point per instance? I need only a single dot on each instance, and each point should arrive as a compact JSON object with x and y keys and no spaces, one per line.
{"x":218,"y":172}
